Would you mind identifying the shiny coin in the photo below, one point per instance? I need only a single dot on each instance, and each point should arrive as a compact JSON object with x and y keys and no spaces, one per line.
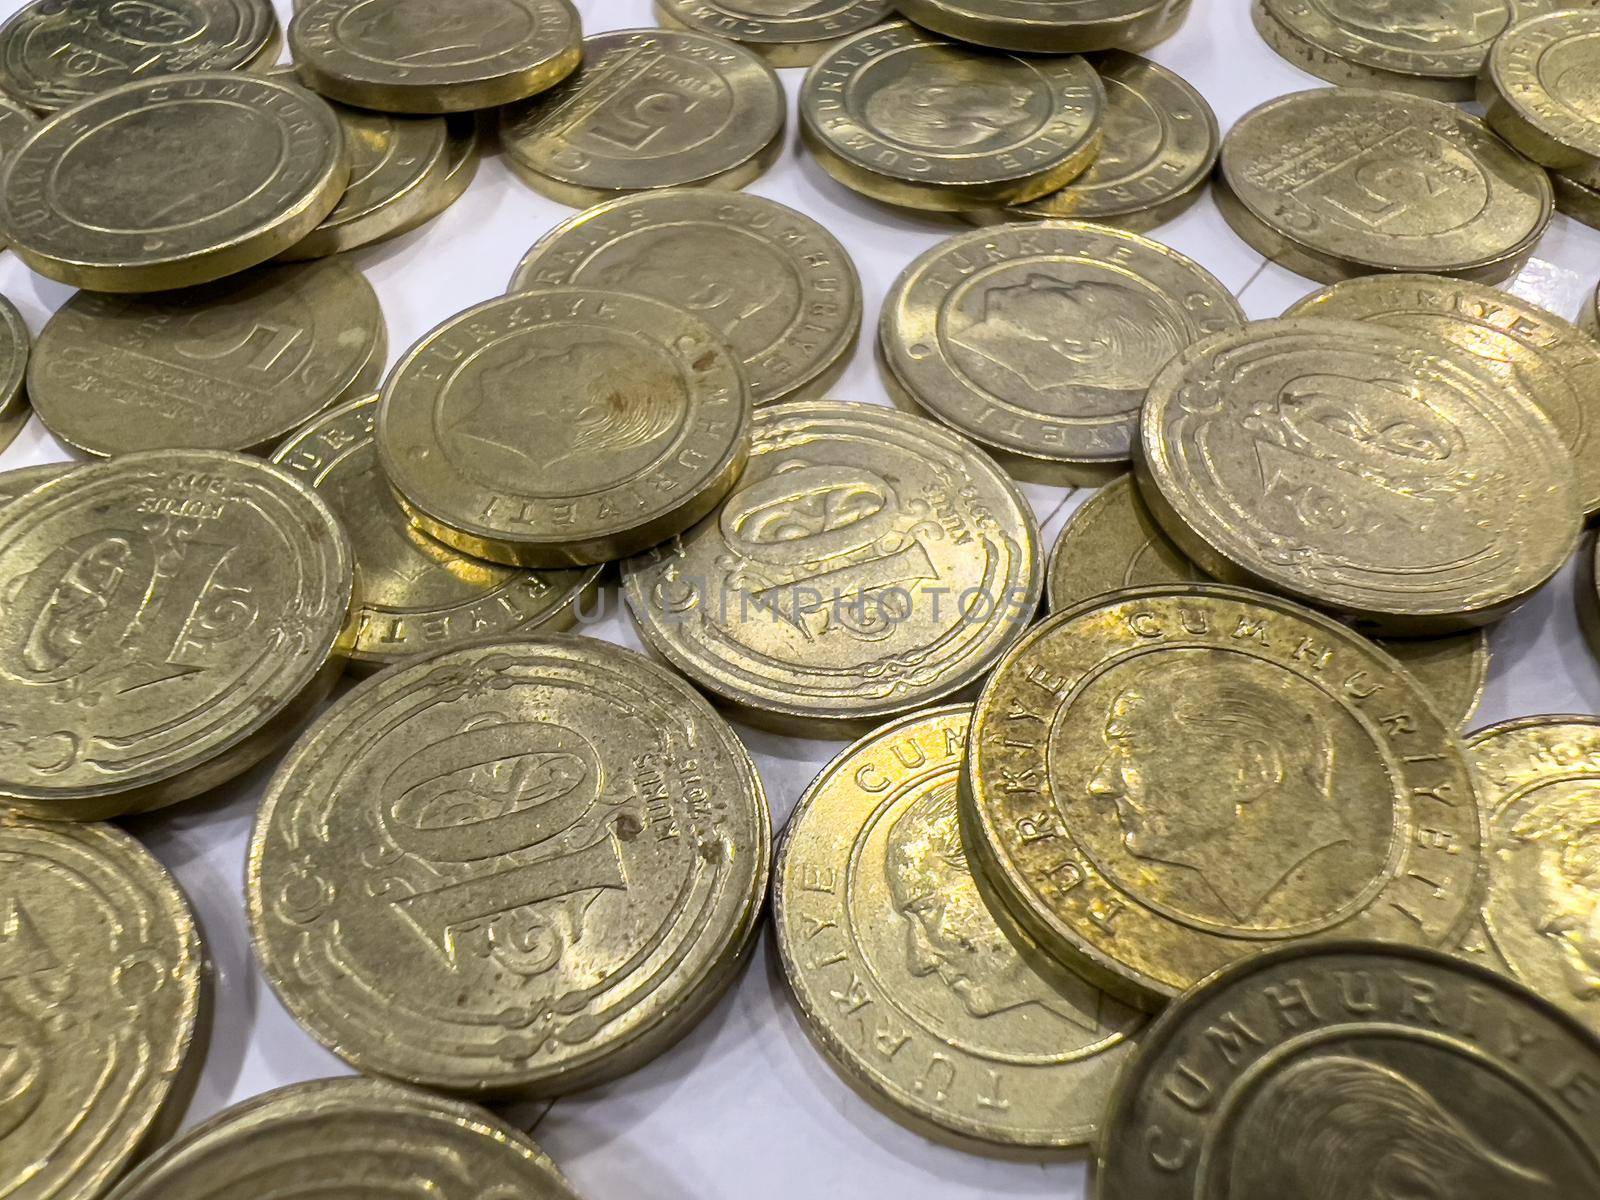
{"x":1162,"y":781}
{"x":358,"y":1139}
{"x":1577,"y":201}
{"x":173,"y":182}
{"x":1051,"y":26}
{"x":464,"y":153}
{"x":906,"y":117}
{"x":406,"y":56}
{"x":168,"y":618}
{"x":105,"y":985}
{"x":787,"y":33}
{"x":990,"y":1045}
{"x":417,"y":595}
{"x":1112,"y":542}
{"x":14,"y":351}
{"x":234,"y":365}
{"x":18,"y":483}
{"x":1338,"y":182}
{"x":1369,"y":471}
{"x":1356,"y":1070}
{"x":16,"y":123}
{"x":1540,"y":91}
{"x":778,"y":287}
{"x":869,"y":564}
{"x":54,"y":53}
{"x":1533,"y":353}
{"x":1039,"y":341}
{"x":649,"y":108}
{"x":547,"y":855}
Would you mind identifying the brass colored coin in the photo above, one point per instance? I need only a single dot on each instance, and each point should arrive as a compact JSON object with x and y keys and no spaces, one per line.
{"x":774,"y":284}
{"x":18,"y":483}
{"x":462,"y":156}
{"x":1369,"y":471}
{"x":1050,"y":26}
{"x":1356,"y":1070}
{"x":1533,"y":353}
{"x":649,"y":108}
{"x":105,"y":988}
{"x":548,"y":856}
{"x":173,"y":182}
{"x":14,"y":352}
{"x":1112,"y":543}
{"x":906,"y":117}
{"x":234,"y":365}
{"x":873,"y":897}
{"x":169,"y":617}
{"x":417,"y":595}
{"x":1040,"y":341}
{"x":409,"y":56}
{"x":870,"y":563}
{"x":357,"y":1139}
{"x":787,"y":33}
{"x":54,"y":53}
{"x":1164,"y":780}
{"x":1540,"y":91}
{"x":16,"y":123}
{"x":1577,"y":201}
{"x":1338,"y":182}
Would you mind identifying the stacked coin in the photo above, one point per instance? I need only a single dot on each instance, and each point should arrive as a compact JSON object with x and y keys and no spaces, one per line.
{"x":787,"y":33}
{"x":1049,"y":26}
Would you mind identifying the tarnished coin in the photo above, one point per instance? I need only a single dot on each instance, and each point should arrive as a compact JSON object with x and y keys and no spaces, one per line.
{"x":1540,"y":90}
{"x":1162,"y":781}
{"x":1337,"y":182}
{"x":787,"y":33}
{"x":869,"y":564}
{"x":54,"y":53}
{"x":548,"y":856}
{"x":417,"y":595}
{"x":874,"y":897}
{"x":1369,"y":471}
{"x":777,"y":286}
{"x":1112,"y":542}
{"x":16,"y":123}
{"x":1533,"y":353}
{"x":564,"y":427}
{"x":173,"y":182}
{"x":1356,"y":1070}
{"x":906,"y":117}
{"x":165,"y":620}
{"x":1577,"y":201}
{"x":15,"y":346}
{"x":1050,"y":26}
{"x":358,"y":1139}
{"x":234,"y":365}
{"x":18,"y":483}
{"x":411,"y":56}
{"x":1039,"y":341}
{"x":649,"y":108}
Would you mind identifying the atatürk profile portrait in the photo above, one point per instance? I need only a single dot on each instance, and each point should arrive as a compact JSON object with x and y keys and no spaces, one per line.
{"x":952,"y":113}
{"x":1567,"y":833}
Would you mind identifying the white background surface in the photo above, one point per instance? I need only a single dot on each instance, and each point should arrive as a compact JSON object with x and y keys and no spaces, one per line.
{"x":745,"y":1106}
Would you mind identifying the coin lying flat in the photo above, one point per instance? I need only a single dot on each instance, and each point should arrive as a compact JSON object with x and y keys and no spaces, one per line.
{"x":787,"y":33}
{"x":777,"y":286}
{"x":19,"y":482}
{"x":1164,"y":780}
{"x":868,"y":564}
{"x":1356,"y":1069}
{"x":1051,"y":26}
{"x":1539,"y":91}
{"x":172,"y":182}
{"x":1369,"y":471}
{"x":1039,"y":341}
{"x":872,"y":884}
{"x":168,"y":618}
{"x":1112,"y":542}
{"x":1577,"y":201}
{"x":15,"y":347}
{"x":649,"y":108}
{"x":547,"y":855}
{"x":234,"y":365}
{"x":417,"y":595}
{"x":1337,"y":182}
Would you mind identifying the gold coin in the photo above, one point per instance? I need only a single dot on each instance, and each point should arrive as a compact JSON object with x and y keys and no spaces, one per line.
{"x":1577,"y":201}
{"x":14,"y":352}
{"x":1533,"y":353}
{"x":463,"y":154}
{"x":1112,"y":542}
{"x":1164,"y":780}
{"x":16,"y":123}
{"x":172,"y":182}
{"x":1039,"y":341}
{"x":1338,"y":182}
{"x":1364,"y":470}
{"x":1540,"y":90}
{"x":417,"y":595}
{"x":54,"y":53}
{"x":1051,"y":26}
{"x":774,"y":284}
{"x":649,"y":108}
{"x":878,"y":918}
{"x":906,"y":117}
{"x":234,"y":365}
{"x":357,"y":1139}
{"x":787,"y":33}
{"x":19,"y":482}
{"x":548,"y":856}
{"x":1356,"y":1070}
{"x":104,"y":990}
{"x":406,"y":56}
{"x":869,"y":563}
{"x":169,"y":617}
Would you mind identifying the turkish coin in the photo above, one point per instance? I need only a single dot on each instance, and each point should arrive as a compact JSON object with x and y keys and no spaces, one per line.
{"x":17,"y":483}
{"x":787,"y":33}
{"x":16,"y":123}
{"x":1579,"y":202}
{"x":1050,"y":26}
{"x":15,"y":348}
{"x":1540,"y":90}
